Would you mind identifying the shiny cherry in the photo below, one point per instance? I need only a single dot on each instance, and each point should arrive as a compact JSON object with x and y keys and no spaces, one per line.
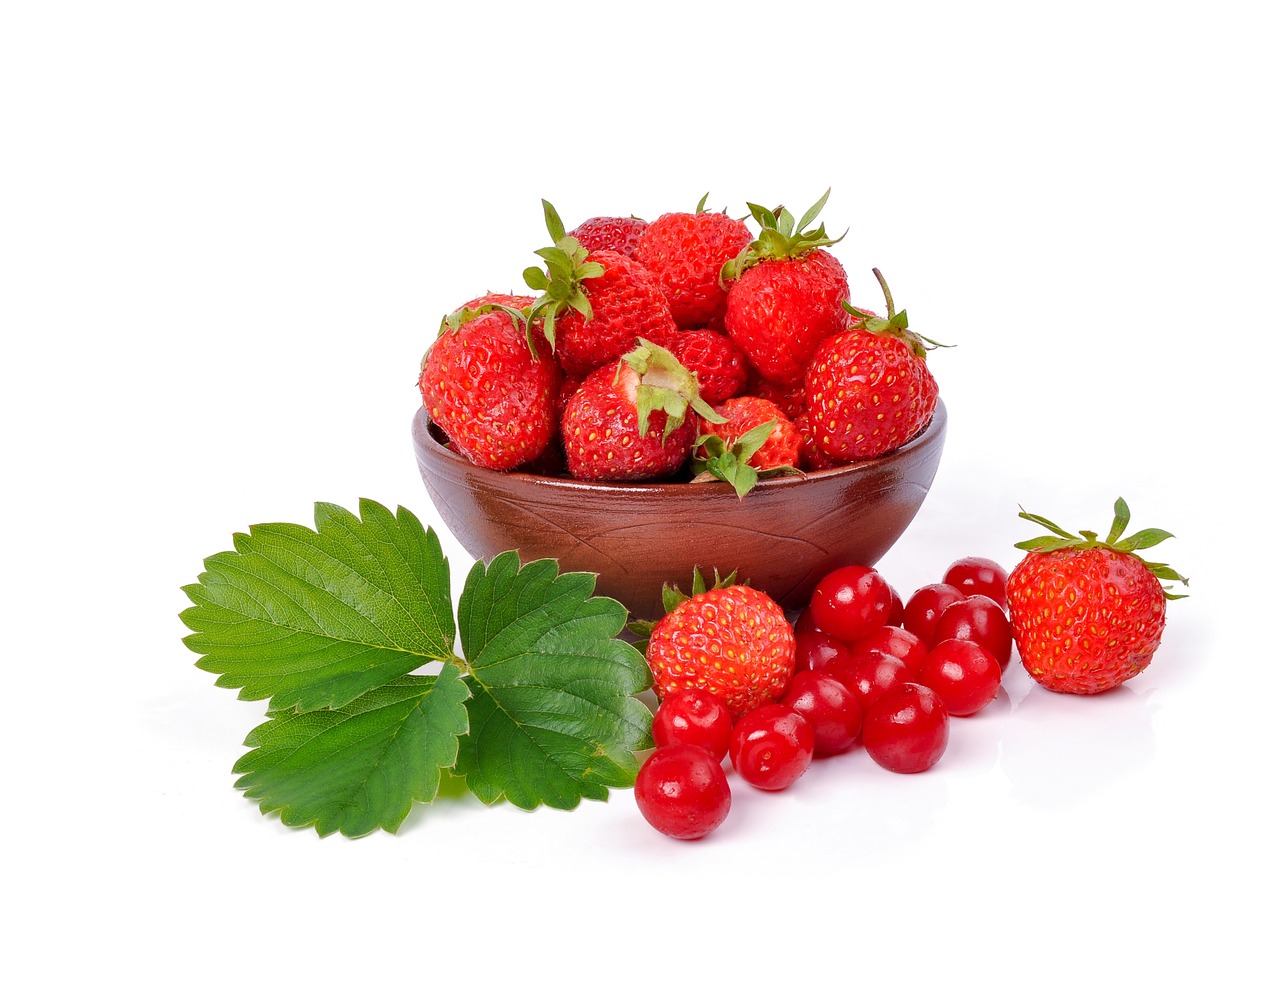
{"x":870,"y":673}
{"x":830,"y":707}
{"x":816,"y":650}
{"x":974,"y":574}
{"x":906,"y":729}
{"x":964,"y":674}
{"x":771,"y":747}
{"x":850,"y":602}
{"x":979,"y":619}
{"x":693,"y":717}
{"x":921,"y":612}
{"x":898,"y":642}
{"x":683,"y":792}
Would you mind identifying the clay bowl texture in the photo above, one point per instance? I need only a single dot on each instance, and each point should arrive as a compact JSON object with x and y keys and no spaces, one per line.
{"x":783,"y":536}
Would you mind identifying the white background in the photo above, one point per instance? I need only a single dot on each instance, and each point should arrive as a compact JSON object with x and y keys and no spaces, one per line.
{"x":227,"y":232}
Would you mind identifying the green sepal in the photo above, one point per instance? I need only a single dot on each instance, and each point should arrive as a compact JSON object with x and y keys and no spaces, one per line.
{"x":895,"y":325}
{"x":1146,"y":538}
{"x":780,"y":237}
{"x":666,"y":385}
{"x":560,"y":285}
{"x":731,"y":463}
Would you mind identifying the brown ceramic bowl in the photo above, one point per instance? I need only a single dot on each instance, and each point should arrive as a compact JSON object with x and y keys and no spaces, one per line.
{"x":783,"y":536}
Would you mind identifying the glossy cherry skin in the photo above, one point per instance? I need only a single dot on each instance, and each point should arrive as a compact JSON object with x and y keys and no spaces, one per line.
{"x":850,"y":602}
{"x":895,"y":609}
{"x":906,"y":729}
{"x":772,"y":746}
{"x":963,"y":673}
{"x":979,"y":619}
{"x":975,"y":574}
{"x":830,"y":707}
{"x":870,"y":673}
{"x":683,"y":792}
{"x":898,"y":642}
{"x":921,"y":612}
{"x":693,"y":717}
{"x":815,"y":650}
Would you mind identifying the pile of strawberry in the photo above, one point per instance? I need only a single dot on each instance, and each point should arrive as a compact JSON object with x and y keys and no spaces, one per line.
{"x":685,"y":345}
{"x":735,"y":678}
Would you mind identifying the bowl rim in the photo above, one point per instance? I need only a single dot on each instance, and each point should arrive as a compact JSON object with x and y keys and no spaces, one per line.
{"x":433,"y":449}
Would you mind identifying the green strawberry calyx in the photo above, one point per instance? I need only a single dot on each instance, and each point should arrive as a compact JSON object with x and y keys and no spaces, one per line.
{"x":452,"y":322}
{"x":1147,"y":538}
{"x":731,"y":463}
{"x":663,"y":384}
{"x":781,"y":237}
{"x":673,"y":596}
{"x":560,"y":285}
{"x":894,"y":326}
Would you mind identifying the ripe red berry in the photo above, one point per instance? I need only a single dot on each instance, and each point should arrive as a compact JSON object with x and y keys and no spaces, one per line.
{"x":685,"y":252}
{"x":906,"y":729}
{"x":614,"y":234}
{"x":898,"y":642}
{"x":694,"y":717}
{"x":974,"y":574}
{"x":870,"y":674}
{"x":771,"y":747}
{"x":978,"y":619}
{"x":683,"y":792}
{"x":964,"y":674}
{"x":816,"y":650}
{"x":830,"y":707}
{"x":851,"y":602}
{"x":923,"y":608}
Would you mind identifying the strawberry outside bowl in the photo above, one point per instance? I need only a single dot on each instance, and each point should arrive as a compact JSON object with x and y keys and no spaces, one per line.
{"x":782,"y":537}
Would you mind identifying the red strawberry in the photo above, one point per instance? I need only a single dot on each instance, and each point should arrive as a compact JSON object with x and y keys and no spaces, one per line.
{"x":628,"y":421}
{"x":812,"y":458}
{"x":514,"y":301}
{"x":1088,"y":613}
{"x":780,"y":446}
{"x":785,"y":293}
{"x":614,"y":234}
{"x":712,"y":356}
{"x":594,"y":306}
{"x":734,"y":642}
{"x":868,"y":390}
{"x":491,"y":387}
{"x":686,"y":252}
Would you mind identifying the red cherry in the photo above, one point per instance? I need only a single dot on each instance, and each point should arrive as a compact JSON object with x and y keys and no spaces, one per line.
{"x":850,"y":602}
{"x":693,"y":717}
{"x":964,"y":674}
{"x":978,"y":619}
{"x":830,"y":707}
{"x":816,"y":650}
{"x":772,"y":746}
{"x":974,"y":574}
{"x":683,"y":792}
{"x":906,"y":729}
{"x":920,"y":613}
{"x":869,"y":674}
{"x":895,"y":609}
{"x":898,"y":642}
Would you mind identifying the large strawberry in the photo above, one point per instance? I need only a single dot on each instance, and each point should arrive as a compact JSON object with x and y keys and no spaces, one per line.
{"x":785,"y":293}
{"x":733,"y":641}
{"x":1088,"y":612}
{"x":596,"y":305}
{"x":491,"y":386}
{"x":685,"y":252}
{"x":867,"y":389}
{"x":633,"y":420}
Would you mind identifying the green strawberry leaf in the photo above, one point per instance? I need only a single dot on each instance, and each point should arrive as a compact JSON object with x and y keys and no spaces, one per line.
{"x":552,"y":710}
{"x":1120,"y":522}
{"x":318,"y":618}
{"x":1147,"y":538}
{"x":359,"y":767}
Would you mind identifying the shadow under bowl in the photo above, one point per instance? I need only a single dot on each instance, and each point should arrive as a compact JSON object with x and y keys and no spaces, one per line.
{"x":782,"y":537}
